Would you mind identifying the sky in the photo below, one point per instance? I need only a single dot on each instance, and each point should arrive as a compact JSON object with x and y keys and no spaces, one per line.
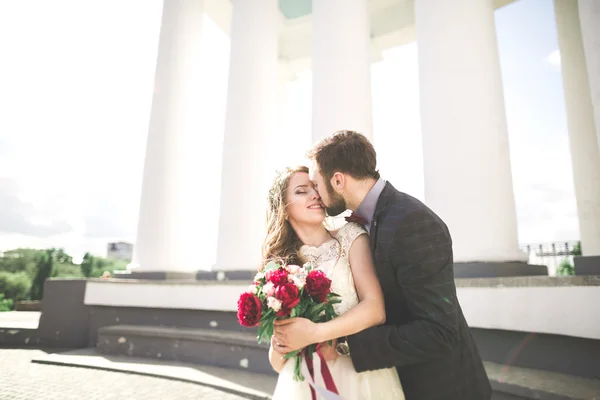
{"x":76,"y":84}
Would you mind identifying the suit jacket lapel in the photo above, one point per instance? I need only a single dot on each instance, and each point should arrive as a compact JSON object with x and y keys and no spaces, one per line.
{"x":379,"y":209}
{"x":373,"y":234}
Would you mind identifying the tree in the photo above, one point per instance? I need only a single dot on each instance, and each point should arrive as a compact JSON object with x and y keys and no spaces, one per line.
{"x":565,"y":269}
{"x":15,"y":286}
{"x":5,"y":304}
{"x":87,"y":265}
{"x":20,"y":260}
{"x":576,"y":249}
{"x":61,"y":257}
{"x":45,"y":265}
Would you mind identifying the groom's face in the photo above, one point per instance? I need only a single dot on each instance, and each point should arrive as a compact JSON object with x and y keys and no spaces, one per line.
{"x":334,"y":202}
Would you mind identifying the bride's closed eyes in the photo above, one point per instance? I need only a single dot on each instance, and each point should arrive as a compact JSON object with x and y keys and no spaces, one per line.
{"x":303,"y":203}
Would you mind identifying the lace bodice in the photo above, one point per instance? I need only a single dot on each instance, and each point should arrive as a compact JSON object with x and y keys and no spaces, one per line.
{"x":332,"y":258}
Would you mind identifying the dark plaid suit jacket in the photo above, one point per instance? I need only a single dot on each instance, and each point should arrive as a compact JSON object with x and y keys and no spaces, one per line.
{"x":425,"y":336}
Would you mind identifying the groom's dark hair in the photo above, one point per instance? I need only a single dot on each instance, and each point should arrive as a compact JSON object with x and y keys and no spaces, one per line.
{"x":348,"y":152}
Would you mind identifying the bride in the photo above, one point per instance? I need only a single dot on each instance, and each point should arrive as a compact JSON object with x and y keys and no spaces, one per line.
{"x":295,"y":235}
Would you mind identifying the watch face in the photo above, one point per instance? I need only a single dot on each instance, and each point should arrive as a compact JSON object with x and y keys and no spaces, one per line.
{"x":343,"y":349}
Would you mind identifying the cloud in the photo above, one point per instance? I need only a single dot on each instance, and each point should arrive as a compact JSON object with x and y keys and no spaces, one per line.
{"x":110,"y":214}
{"x":20,"y":217}
{"x":107,"y":226}
{"x":554,"y":58}
{"x":5,"y":147}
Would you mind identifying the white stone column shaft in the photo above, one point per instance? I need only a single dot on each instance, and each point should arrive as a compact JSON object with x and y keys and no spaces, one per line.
{"x":161,"y":244}
{"x":468,"y":179}
{"x":251,"y":116}
{"x":585,"y":152}
{"x":589,"y":16}
{"x":341,"y":67}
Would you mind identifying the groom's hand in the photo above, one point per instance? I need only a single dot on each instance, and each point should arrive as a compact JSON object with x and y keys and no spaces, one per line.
{"x":329,"y":352}
{"x":294,"y":334}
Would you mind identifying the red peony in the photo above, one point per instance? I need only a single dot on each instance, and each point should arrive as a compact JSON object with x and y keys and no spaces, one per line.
{"x":318,"y":285}
{"x":288,"y":294}
{"x":249,"y":310}
{"x":278,"y":277}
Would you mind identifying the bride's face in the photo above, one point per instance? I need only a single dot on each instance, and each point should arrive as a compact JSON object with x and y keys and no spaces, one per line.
{"x":303,"y":202}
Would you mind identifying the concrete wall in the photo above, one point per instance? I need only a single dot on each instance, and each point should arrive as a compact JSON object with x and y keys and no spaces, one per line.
{"x":525,"y":304}
{"x":533,"y":322}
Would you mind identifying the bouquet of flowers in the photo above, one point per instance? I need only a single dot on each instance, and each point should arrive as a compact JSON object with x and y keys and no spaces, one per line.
{"x":287,"y":291}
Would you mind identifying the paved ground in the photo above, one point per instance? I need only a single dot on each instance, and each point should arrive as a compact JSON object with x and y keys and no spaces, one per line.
{"x":22,"y":380}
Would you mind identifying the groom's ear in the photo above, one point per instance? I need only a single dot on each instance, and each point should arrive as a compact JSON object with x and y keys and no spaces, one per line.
{"x":338,"y":180}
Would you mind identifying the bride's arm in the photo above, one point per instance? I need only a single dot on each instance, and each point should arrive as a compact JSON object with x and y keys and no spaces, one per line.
{"x":370,"y":311}
{"x":296,"y":333}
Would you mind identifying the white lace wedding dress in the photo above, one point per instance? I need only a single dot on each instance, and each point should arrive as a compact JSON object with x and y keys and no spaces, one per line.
{"x":383,"y":384}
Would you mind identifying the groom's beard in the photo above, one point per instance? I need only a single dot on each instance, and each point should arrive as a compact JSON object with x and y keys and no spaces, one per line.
{"x":337,"y":204}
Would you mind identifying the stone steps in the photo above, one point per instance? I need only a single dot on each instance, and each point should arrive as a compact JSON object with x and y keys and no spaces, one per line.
{"x":201,"y":346}
{"x":530,"y":383}
{"x":240,"y":351}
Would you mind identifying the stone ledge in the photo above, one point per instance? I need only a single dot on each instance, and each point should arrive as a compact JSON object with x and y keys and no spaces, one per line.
{"x":217,"y":348}
{"x":587,"y":265}
{"x":514,"y":281}
{"x":530,"y":281}
{"x":537,"y":384}
{"x":170,"y":282}
{"x":488,"y":269}
{"x":229,"y":337}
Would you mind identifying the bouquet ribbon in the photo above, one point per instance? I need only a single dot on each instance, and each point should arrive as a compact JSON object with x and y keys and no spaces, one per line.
{"x":325,"y":373}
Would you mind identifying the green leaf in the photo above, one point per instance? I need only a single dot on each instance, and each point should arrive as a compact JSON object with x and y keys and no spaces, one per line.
{"x":316,"y":310}
{"x":271,"y":265}
{"x":291,"y":354}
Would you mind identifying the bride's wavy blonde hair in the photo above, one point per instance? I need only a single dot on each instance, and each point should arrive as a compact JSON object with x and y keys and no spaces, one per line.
{"x":281,"y":243}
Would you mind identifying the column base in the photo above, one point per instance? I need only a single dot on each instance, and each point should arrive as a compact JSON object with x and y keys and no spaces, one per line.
{"x":239,"y":275}
{"x":497,"y":269}
{"x":587,"y":265}
{"x":156,"y":275}
{"x":236,"y":275}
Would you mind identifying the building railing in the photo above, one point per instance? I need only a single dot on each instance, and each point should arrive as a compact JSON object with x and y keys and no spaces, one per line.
{"x":552,"y":254}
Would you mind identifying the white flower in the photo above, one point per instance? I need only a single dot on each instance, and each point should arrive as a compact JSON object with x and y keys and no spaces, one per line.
{"x":308,"y":266}
{"x":274,"y":304}
{"x":259,"y":276}
{"x":253,"y":289}
{"x":293,"y":269}
{"x":269,"y":289}
{"x":299,"y":281}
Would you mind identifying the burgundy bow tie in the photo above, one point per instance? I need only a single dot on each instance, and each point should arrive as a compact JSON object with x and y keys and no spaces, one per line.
{"x":356,"y":218}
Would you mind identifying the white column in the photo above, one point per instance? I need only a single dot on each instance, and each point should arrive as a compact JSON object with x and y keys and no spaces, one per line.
{"x":251,"y":116}
{"x":341,"y":67}
{"x":585,"y":152}
{"x":589,"y":15}
{"x":162,"y":234}
{"x":468,"y":179}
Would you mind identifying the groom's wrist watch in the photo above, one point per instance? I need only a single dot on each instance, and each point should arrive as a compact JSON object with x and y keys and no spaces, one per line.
{"x":342,"y":347}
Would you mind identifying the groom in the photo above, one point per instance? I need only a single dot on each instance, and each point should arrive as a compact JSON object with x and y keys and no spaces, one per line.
{"x":425,"y":336}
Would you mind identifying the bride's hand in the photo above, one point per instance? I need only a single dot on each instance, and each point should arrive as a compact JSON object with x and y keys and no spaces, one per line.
{"x":295,"y":333}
